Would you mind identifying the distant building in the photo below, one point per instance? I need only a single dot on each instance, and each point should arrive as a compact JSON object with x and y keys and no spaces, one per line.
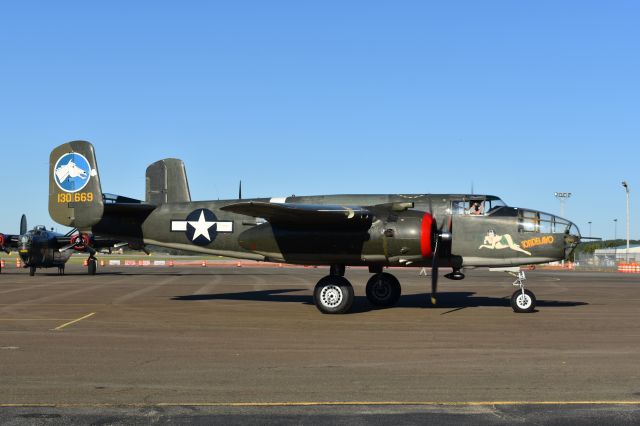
{"x":616,"y":255}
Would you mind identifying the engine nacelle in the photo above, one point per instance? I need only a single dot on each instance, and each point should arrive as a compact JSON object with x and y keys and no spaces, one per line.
{"x":407,"y":236}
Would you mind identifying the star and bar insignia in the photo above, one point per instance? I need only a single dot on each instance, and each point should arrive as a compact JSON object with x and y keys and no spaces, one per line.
{"x":201,"y":226}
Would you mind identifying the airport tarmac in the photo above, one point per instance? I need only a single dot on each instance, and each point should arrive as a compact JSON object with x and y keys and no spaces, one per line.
{"x":140,"y":338}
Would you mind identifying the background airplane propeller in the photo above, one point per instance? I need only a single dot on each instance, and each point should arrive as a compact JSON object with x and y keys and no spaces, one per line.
{"x":23,"y":225}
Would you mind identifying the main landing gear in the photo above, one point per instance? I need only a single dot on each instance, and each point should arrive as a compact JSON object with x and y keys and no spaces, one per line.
{"x":522,"y":300}
{"x":92,"y":265}
{"x":334,"y":293}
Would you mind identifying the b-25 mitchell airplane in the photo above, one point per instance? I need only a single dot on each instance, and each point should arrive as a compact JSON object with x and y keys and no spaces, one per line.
{"x":425,"y":230}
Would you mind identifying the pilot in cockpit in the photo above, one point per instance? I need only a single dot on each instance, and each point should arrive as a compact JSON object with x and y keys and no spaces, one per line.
{"x":476,"y":207}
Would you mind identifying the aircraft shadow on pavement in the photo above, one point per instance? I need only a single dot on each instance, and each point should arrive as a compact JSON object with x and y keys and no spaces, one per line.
{"x":180,"y":274}
{"x":446,"y":300}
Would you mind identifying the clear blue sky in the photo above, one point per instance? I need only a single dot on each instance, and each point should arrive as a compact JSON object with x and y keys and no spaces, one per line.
{"x":522,"y":98}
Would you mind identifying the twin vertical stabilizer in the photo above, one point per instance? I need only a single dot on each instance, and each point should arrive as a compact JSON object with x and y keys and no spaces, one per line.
{"x":75,"y":195}
{"x":166,"y":182}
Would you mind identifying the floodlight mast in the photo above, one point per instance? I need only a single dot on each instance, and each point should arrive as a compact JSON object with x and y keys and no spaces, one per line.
{"x":562,"y":196}
{"x":626,"y":188}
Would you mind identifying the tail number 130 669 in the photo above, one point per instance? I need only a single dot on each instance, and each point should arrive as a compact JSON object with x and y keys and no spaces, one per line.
{"x":76,"y":197}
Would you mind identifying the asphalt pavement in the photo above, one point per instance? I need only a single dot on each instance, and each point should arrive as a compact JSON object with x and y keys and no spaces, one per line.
{"x":243,"y":345}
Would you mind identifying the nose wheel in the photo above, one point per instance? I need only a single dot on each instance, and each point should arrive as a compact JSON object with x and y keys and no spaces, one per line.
{"x":522,"y":300}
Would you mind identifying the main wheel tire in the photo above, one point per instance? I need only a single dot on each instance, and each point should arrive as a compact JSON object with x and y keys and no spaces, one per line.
{"x":523,"y":303}
{"x":383,"y":290}
{"x":32,"y":270}
{"x":333,"y":295}
{"x":92,"y":266}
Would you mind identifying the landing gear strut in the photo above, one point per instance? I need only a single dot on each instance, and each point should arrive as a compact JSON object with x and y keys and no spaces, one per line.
{"x":337,"y":269}
{"x":32,"y":270}
{"x":61,"y":270}
{"x":522,"y":300}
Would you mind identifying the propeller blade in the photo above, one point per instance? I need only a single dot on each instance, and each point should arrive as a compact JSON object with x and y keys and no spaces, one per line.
{"x":434,"y":273}
{"x":67,"y":247}
{"x":23,"y":225}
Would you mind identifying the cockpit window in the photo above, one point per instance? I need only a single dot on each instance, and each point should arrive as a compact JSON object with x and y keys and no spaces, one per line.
{"x":561,"y":226}
{"x":528,"y":221}
{"x":458,"y":207}
{"x":532,"y":221}
{"x":476,"y":205}
{"x":493,"y":204}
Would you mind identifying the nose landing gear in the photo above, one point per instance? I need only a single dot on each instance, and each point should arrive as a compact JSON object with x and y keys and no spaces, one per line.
{"x":522,"y":300}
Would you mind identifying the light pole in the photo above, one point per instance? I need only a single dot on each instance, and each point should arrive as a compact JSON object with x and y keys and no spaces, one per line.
{"x":589,"y":228}
{"x":626,"y":188}
{"x":615,"y":229}
{"x":562,"y":196}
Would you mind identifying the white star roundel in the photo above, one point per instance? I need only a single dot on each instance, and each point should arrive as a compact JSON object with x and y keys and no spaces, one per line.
{"x":201,"y":226}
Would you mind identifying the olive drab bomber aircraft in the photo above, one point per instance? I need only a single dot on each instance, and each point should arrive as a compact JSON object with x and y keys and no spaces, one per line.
{"x":433,"y":230}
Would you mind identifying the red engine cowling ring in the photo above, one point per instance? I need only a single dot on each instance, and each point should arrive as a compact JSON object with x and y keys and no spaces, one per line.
{"x":426,"y":235}
{"x":81,"y":242}
{"x":2,"y":240}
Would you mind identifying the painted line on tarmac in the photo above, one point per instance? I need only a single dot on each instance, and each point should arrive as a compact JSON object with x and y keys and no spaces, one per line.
{"x":60,"y":327}
{"x":53,"y":304}
{"x":34,"y":319}
{"x":318,"y":404}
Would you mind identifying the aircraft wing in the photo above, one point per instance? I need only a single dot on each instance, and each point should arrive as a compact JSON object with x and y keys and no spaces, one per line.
{"x":289,"y":214}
